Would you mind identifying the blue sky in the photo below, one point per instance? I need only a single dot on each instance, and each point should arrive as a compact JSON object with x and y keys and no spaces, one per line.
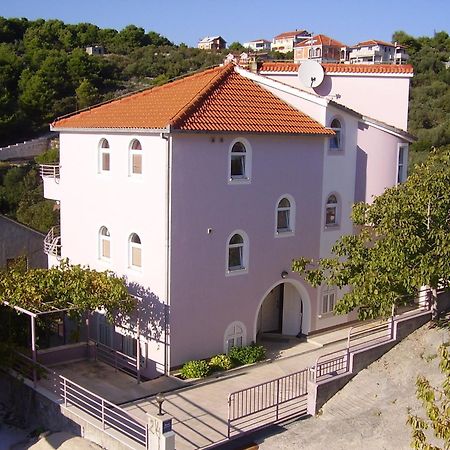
{"x":243,"y":20}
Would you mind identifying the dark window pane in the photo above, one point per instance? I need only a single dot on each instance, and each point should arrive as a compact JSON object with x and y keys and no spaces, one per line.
{"x":237,"y":166}
{"x":235,"y":258}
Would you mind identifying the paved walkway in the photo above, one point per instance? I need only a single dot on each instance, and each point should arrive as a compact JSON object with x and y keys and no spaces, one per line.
{"x":200,"y":412}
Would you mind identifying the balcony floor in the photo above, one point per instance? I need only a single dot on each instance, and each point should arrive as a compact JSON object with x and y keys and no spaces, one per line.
{"x":113,"y":385}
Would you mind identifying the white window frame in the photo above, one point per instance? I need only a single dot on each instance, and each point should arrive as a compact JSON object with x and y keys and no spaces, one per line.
{"x":134,"y":245}
{"x":246,"y":177}
{"x":245,"y":254}
{"x":328,"y":297}
{"x":132,"y":152}
{"x":102,"y":238}
{"x":340,"y":148}
{"x":237,"y":337}
{"x":290,"y":231}
{"x":402,"y":165}
{"x":337,"y":207}
{"x":101,"y":152}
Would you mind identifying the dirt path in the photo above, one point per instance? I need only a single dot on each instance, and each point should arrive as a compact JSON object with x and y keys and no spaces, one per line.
{"x":371,"y":411}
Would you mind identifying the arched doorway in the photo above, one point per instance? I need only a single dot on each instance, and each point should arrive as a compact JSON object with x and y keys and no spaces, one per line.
{"x":284,"y":310}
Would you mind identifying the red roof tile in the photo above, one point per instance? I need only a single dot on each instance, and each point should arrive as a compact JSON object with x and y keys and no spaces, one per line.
{"x":341,"y":68}
{"x":320,"y":39}
{"x":374,"y":42}
{"x":219,"y":100}
{"x":291,"y":34}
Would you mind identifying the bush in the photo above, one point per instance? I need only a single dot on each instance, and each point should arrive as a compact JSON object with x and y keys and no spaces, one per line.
{"x":220,"y":362}
{"x":247,"y":355}
{"x":195,"y":369}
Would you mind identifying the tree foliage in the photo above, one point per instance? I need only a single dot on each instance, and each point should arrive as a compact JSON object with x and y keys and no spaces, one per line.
{"x":65,"y":286}
{"x":436,"y":402}
{"x":45,"y":71}
{"x":429,"y":108}
{"x":402,"y":243}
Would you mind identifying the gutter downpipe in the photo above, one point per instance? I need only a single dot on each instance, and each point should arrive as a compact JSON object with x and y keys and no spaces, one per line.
{"x":168,"y":138}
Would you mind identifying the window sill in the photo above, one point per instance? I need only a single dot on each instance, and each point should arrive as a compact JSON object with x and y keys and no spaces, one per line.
{"x":332,"y":227}
{"x":326,"y":315}
{"x":135,"y":269}
{"x":282,"y":234}
{"x":232,"y":273}
{"x":239,"y":181}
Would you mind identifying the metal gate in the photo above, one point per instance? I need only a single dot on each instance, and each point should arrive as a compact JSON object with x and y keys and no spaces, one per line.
{"x":267,"y":403}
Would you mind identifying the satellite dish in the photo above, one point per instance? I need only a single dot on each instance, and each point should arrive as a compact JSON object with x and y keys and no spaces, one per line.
{"x":310,"y":73}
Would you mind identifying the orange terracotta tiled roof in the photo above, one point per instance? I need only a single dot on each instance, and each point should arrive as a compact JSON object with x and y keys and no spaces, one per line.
{"x":341,"y":68}
{"x":374,"y":42}
{"x":290,"y":34}
{"x":219,"y":100}
{"x":320,"y":39}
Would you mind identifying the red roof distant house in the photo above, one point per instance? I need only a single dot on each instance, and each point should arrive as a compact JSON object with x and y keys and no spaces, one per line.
{"x":218,"y":99}
{"x":284,"y":42}
{"x":320,"y":48}
{"x":375,"y":51}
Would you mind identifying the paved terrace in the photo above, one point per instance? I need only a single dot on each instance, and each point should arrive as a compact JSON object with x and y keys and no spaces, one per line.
{"x":200,"y":412}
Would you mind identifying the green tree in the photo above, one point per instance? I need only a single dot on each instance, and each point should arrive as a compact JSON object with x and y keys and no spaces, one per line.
{"x":436,"y":402}
{"x":87,"y":94}
{"x":236,"y":47}
{"x":402,"y":243}
{"x":65,"y":286}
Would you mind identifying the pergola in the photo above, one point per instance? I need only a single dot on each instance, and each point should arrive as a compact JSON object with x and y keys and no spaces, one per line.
{"x":49,"y":308}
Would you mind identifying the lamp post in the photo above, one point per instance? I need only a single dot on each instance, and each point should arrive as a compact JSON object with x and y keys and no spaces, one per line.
{"x":160,"y":400}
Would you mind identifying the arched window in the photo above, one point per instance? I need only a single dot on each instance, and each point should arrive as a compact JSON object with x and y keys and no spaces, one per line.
{"x":318,"y":52}
{"x":285,"y":215}
{"x":235,"y":336}
{"x":135,"y":162}
{"x":311,"y":53}
{"x":336,"y":140}
{"x":104,"y":243}
{"x":236,"y":253}
{"x":103,"y":156}
{"x":238,"y":159}
{"x":134,"y":251}
{"x":332,"y":211}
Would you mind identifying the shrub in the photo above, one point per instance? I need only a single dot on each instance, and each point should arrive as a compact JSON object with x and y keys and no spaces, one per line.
{"x":195,"y":369}
{"x":247,"y":355}
{"x":220,"y":362}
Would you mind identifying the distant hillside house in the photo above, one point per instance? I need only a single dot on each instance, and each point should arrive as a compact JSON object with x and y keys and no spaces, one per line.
{"x":285,"y":42}
{"x":95,"y":50}
{"x":378,"y":52}
{"x":259,"y":45}
{"x":17,"y":240}
{"x":320,"y":48}
{"x":212,"y":43}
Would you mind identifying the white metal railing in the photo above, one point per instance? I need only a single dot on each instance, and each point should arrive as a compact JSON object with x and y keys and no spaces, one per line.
{"x":49,"y":171}
{"x":368,"y":334}
{"x":114,"y":358}
{"x":268,"y":399}
{"x":332,"y":364}
{"x":111,"y":416}
{"x":52,"y":242}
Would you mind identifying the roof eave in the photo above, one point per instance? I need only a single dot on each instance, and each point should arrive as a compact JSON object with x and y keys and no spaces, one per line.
{"x":166,"y":129}
{"x":216,"y":132}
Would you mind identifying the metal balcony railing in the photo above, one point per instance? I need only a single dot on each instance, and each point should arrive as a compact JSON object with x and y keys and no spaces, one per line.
{"x":52,"y":242}
{"x":49,"y":171}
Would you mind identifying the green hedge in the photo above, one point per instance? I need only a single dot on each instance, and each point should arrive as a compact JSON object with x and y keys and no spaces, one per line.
{"x":195,"y":369}
{"x":247,"y":355}
{"x":220,"y":362}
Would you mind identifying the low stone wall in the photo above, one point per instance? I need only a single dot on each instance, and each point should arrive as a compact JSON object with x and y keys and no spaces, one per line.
{"x":24,"y":150}
{"x":443,"y":302}
{"x":63,"y":353}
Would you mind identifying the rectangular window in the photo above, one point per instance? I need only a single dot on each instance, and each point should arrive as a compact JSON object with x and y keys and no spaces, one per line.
{"x":235,"y":258}
{"x":136,"y":257}
{"x":137,"y":164}
{"x":106,"y":248}
{"x":105,"y":161}
{"x":237,"y":166}
{"x":402,"y":163}
{"x":335,"y":141}
{"x":283,"y":220}
{"x":328,"y":302}
{"x":330,"y":218}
